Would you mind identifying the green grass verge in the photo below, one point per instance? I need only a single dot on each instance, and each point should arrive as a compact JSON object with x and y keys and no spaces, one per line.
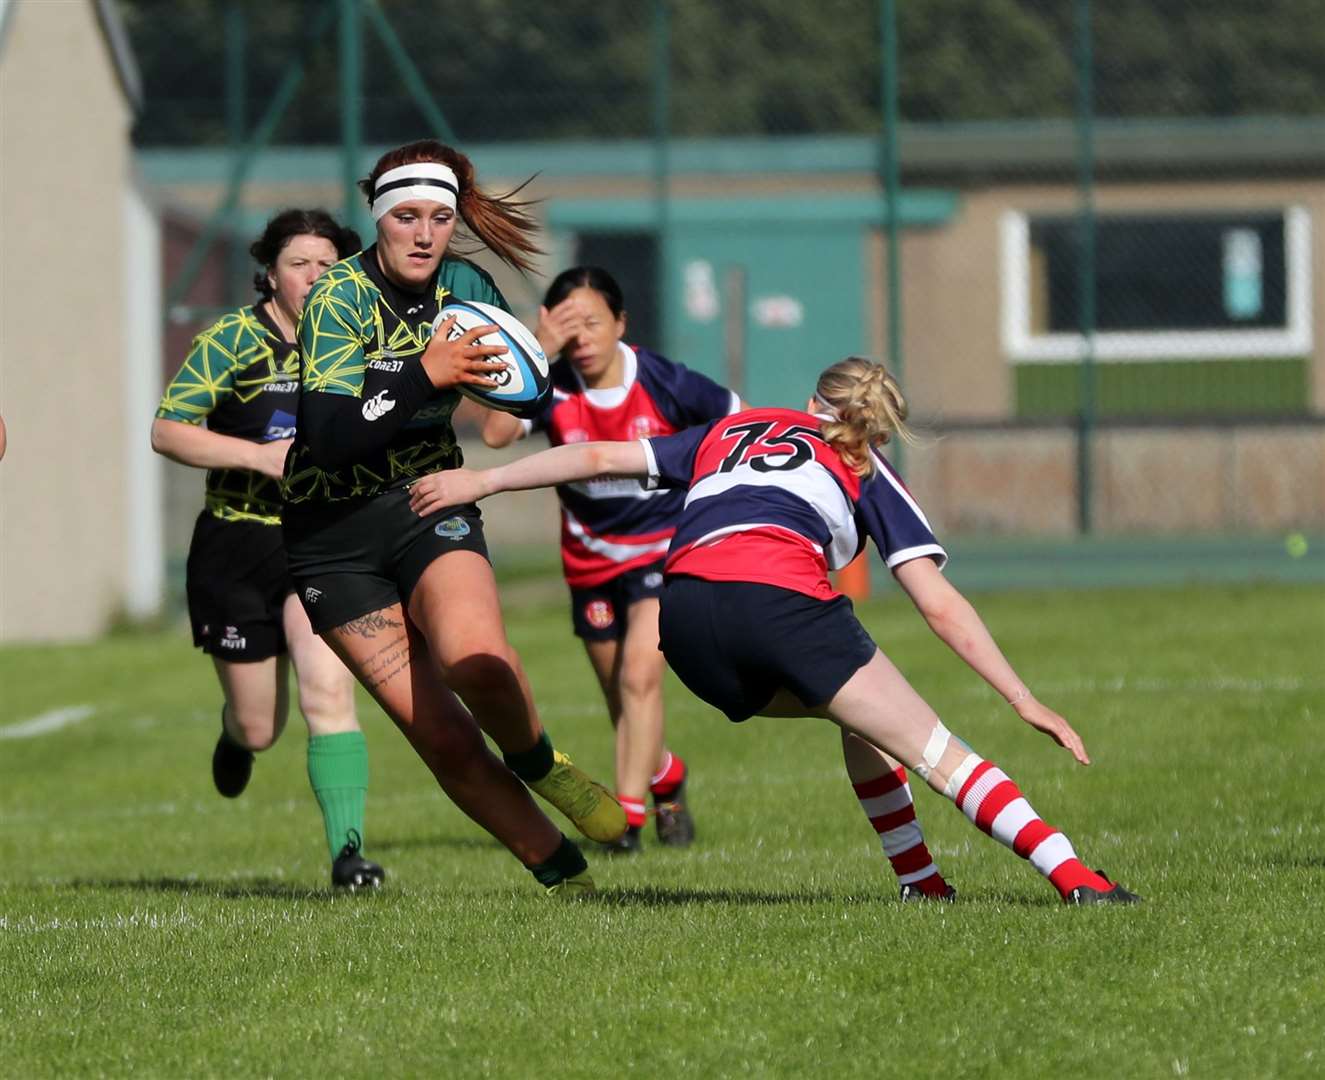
{"x":148,"y":927}
{"x":1167,"y":388}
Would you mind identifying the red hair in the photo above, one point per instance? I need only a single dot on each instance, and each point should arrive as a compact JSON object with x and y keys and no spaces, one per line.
{"x":501,"y":223}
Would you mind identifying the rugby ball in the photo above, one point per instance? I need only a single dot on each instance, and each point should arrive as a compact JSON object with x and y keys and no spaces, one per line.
{"x":523,"y":387}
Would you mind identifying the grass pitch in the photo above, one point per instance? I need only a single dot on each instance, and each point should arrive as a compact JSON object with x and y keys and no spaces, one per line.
{"x":148,"y":927}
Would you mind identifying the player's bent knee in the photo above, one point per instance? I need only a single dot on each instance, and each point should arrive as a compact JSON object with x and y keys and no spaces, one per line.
{"x":640,"y":681}
{"x":256,"y":733}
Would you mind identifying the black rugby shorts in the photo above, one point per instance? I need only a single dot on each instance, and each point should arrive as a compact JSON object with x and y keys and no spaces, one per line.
{"x":736,"y":643}
{"x":355,"y":556}
{"x":237,"y":581}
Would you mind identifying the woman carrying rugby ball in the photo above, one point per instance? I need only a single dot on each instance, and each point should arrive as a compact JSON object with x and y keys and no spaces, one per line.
{"x":409,"y":603}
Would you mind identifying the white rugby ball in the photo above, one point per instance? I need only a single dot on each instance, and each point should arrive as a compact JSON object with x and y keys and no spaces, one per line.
{"x":523,"y":387}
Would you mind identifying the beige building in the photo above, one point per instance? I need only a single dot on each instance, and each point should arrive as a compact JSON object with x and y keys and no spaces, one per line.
{"x":79,"y":328}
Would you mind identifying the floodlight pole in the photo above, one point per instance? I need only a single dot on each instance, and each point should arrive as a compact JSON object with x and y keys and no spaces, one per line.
{"x":1086,"y":313}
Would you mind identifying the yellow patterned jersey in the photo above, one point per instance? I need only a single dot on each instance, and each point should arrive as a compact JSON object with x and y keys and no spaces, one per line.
{"x":369,"y":419}
{"x":242,"y":379}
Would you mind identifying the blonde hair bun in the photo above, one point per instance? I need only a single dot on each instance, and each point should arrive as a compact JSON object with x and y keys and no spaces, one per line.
{"x":868,"y":406}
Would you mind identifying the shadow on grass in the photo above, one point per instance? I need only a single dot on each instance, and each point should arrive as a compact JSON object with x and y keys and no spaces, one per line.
{"x":438,"y":843}
{"x":234,"y":889}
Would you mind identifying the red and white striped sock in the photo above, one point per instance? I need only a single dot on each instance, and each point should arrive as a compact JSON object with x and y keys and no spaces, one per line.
{"x":996,"y":806}
{"x":670,"y":775}
{"x":887,"y":802}
{"x":636,"y":813}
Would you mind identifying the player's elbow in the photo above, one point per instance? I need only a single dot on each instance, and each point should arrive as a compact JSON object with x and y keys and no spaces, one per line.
{"x":941,"y":607}
{"x":160,"y":436}
{"x":609,"y":458}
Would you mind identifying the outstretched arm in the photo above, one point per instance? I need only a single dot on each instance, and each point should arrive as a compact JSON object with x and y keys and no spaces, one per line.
{"x":951,"y":617}
{"x":560,"y":465}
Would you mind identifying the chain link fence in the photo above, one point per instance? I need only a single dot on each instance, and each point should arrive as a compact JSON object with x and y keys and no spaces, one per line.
{"x":1095,"y":276}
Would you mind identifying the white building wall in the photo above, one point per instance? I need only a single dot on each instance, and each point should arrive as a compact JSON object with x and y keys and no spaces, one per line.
{"x":64,"y":174}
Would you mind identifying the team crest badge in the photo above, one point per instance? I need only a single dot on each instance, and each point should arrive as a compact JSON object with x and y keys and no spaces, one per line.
{"x":642,"y":426}
{"x":453,"y":528}
{"x":599,"y":614}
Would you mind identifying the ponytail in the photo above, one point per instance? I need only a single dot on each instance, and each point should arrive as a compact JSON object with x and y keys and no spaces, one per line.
{"x":867,"y":409}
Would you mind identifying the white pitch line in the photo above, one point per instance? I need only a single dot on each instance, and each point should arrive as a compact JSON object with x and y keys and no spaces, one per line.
{"x":47,"y":722}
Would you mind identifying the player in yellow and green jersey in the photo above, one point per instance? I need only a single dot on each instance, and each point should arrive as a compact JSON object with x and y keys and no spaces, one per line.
{"x":409,"y":602}
{"x":231,"y":409}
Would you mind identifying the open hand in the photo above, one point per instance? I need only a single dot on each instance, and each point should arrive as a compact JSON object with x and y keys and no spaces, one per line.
{"x":1043,"y":718}
{"x":558,"y":326}
{"x":451,"y":487}
{"x":451,"y":362}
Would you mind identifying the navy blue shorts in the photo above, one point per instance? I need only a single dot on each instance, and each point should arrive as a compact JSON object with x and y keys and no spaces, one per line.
{"x":598,"y":612}
{"x":736,"y":643}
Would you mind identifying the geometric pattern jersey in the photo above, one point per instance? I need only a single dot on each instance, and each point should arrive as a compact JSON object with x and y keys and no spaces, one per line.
{"x":242,"y":378}
{"x":357,"y":334}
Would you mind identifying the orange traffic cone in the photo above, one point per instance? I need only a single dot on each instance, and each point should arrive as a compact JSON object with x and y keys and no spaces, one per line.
{"x":854,"y":578}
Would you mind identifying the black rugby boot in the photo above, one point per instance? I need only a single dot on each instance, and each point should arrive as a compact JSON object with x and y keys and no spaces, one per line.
{"x":1084,"y":896}
{"x":352,"y":871}
{"x":676,"y":828}
{"x":232,"y":764}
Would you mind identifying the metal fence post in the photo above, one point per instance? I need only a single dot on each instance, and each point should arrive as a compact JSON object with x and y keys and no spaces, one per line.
{"x":892,"y":183}
{"x":662,"y":93}
{"x":280,"y":101}
{"x":1086,"y":314}
{"x":409,"y":73}
{"x":351,"y":105}
{"x":235,"y":99}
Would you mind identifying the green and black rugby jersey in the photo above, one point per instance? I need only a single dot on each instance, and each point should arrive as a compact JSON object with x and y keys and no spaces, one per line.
{"x":369,"y":420}
{"x":242,"y":378}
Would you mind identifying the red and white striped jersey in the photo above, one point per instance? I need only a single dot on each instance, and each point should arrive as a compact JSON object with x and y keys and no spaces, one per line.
{"x":768,"y":500}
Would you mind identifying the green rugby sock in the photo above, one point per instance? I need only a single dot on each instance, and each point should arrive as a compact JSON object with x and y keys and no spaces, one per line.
{"x":338,"y":773}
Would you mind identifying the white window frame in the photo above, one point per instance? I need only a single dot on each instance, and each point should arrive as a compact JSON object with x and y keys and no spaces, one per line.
{"x":1021,"y":346}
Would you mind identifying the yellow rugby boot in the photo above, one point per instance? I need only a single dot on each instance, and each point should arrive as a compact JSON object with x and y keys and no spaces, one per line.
{"x":573,"y":888}
{"x":590,"y":806}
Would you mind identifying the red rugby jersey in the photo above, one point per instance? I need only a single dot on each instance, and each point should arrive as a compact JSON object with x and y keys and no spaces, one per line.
{"x":768,"y":500}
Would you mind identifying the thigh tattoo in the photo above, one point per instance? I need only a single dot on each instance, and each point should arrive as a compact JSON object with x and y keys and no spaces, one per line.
{"x":391,"y":658}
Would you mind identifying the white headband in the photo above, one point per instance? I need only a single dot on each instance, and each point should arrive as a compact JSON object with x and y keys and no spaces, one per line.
{"x":423,"y":180}
{"x":829,"y":409}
